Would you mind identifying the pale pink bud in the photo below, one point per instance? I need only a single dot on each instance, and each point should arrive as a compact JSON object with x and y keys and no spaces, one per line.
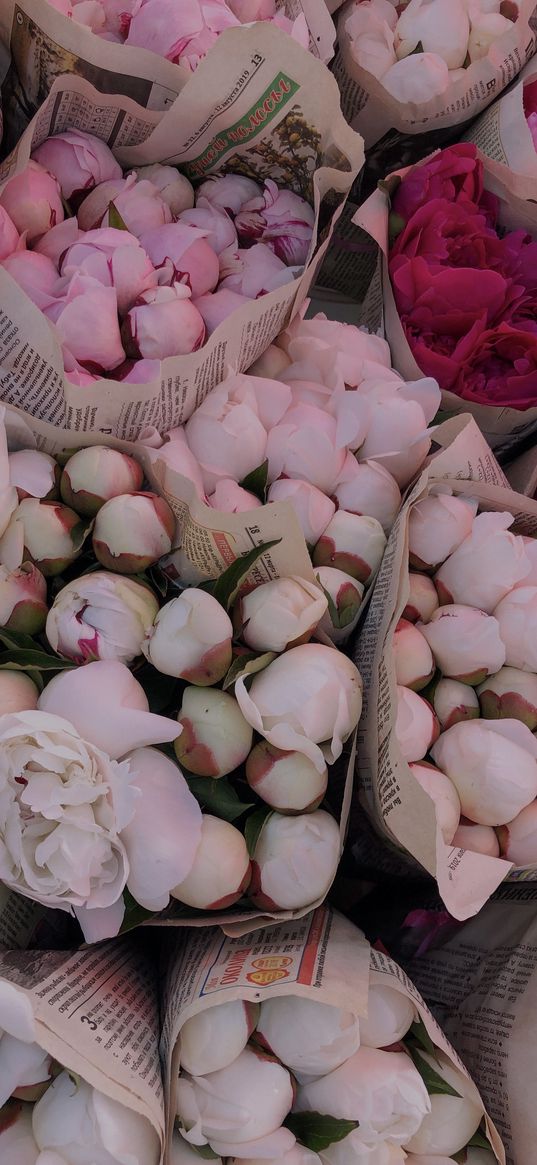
{"x":89,"y":13}
{"x":87,"y":323}
{"x":56,"y":241}
{"x":452,"y":1120}
{"x":311,"y":1038}
{"x":366,"y":487}
{"x":115,"y":259}
{"x":465,"y":642}
{"x":9,"y":235}
{"x":312,"y":507}
{"x":281,"y":613}
{"x":34,"y":474}
{"x":220,"y":872}
{"x":101,"y":616}
{"x":422,"y":600}
{"x":307,"y":697}
{"x":181,"y":254}
{"x":397,"y":436}
{"x":132,"y":531}
{"x":295,"y":860}
{"x":227,"y":432}
{"x":287,"y":781}
{"x":191,"y":639}
{"x":352,"y":543}
{"x":213,"y":1038}
{"x":215,"y":737}
{"x":33,"y":201}
{"x":253,"y":271}
{"x":230,"y":498}
{"x":36,"y":275}
{"x":390,"y":1013}
{"x":94,"y":475}
{"x":416,"y":726}
{"x":486,"y":566}
{"x":175,"y":189}
{"x":486,"y":28}
{"x":18,"y":692}
{"x":218,"y":305}
{"x":437,"y":525}
{"x":228,"y":192}
{"x":76,"y":1120}
{"x":53,"y":535}
{"x":530,"y":579}
{"x":219,"y":227}
{"x":343,"y":612}
{"x":78,"y":160}
{"x":248,"y":10}
{"x":510,"y":693}
{"x":444,"y":796}
{"x":139,"y":204}
{"x":413,"y":658}
{"x":441,"y":31}
{"x":23,"y":599}
{"x":163,"y":322}
{"x":174,"y":453}
{"x":280,"y":218}
{"x":454,"y":701}
{"x":516,"y":614}
{"x":371,"y":36}
{"x":518,"y":839}
{"x":417,"y":79}
{"x":304,"y":446}
{"x":492,"y":765}
{"x":480,"y":839}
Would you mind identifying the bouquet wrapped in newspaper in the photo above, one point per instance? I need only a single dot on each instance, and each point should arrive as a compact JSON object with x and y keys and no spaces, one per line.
{"x":457,"y":250}
{"x":446,"y":754}
{"x":80,"y":1075}
{"x":131,"y":271}
{"x":302,"y":1045}
{"x":425,"y":65}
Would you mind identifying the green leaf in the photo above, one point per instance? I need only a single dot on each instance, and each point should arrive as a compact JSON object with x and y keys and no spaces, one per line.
{"x":434,"y":1083}
{"x":16,"y":639}
{"x":134,"y":913}
{"x":316,"y":1131}
{"x":217,"y":796}
{"x":256,"y":481}
{"x":254,"y":825}
{"x":247,"y":665}
{"x":479,"y":1139}
{"x":80,"y":532}
{"x":227,"y":586}
{"x":419,"y":1033}
{"x":114,"y":218}
{"x":76,"y":1079}
{"x":389,"y":186}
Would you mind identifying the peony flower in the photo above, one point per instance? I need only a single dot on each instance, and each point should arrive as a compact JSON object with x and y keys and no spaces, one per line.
{"x":280,"y":613}
{"x":16,"y":1136}
{"x":34,"y":474}
{"x":294,"y":861}
{"x":48,"y":534}
{"x":23,"y":1068}
{"x":9,"y":235}
{"x":253,"y":271}
{"x":366,"y":487}
{"x":18,"y":692}
{"x":352,"y":543}
{"x":115,"y":259}
{"x":390,"y":1014}
{"x":181,"y":254}
{"x":213,"y":1038}
{"x":397,"y":436}
{"x":139,"y":204}
{"x":308,"y":700}
{"x":101,"y":616}
{"x":485,"y":29}
{"x":417,"y":79}
{"x":492,"y":765}
{"x":36,"y":275}
{"x":436,"y":527}
{"x":416,"y":726}
{"x":87,"y":324}
{"x":219,"y":228}
{"x":454,"y":701}
{"x":304,"y":446}
{"x":132,"y":531}
{"x":287,"y":781}
{"x":311,"y":506}
{"x":413,"y":658}
{"x":163,"y":322}
{"x":422,"y":600}
{"x":485,"y":566}
{"x":230,"y":498}
{"x":370,"y":28}
{"x":56,"y":241}
{"x":73,"y":1120}
{"x":516,"y":615}
{"x":94,"y":475}
{"x":452,"y":1120}
{"x":354,"y":352}
{"x":444,"y":796}
{"x":465,"y":642}
{"x":191,"y":639}
{"x":220,"y":872}
{"x":518,"y":839}
{"x":216,"y":307}
{"x":281,"y":219}
{"x":439,"y":30}
{"x":174,"y":454}
{"x":78,"y":161}
{"x":108,"y":706}
{"x":228,"y":192}
{"x":311,"y":1038}
{"x":174,"y":188}
{"x":215,"y":737}
{"x":345,"y":596}
{"x":33,"y":201}
{"x":481,"y":839}
{"x":510,"y":693}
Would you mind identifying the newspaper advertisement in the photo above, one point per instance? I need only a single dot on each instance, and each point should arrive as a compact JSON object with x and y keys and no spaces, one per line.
{"x":323,"y":958}
{"x":373,"y":111}
{"x":96,"y":1013}
{"x":39,"y":43}
{"x":238,"y":112}
{"x":502,"y":426}
{"x":387,"y":788}
{"x":482,"y":986}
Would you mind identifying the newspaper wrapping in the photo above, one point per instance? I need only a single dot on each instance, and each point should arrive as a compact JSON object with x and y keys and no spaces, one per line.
{"x":96,"y":1012}
{"x":324,"y":958}
{"x":38,"y":43}
{"x":502,"y":134}
{"x":373,"y":111}
{"x":235,"y":114}
{"x":522,"y":473}
{"x":503,"y":427}
{"x":387,"y":789}
{"x":482,"y":985}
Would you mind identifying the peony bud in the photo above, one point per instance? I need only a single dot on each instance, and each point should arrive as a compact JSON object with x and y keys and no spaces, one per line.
{"x":34,"y":474}
{"x":226,"y":432}
{"x":416,"y":725}
{"x":280,"y":218}
{"x":517,"y":620}
{"x":228,"y":192}
{"x":33,"y":201}
{"x":486,"y":565}
{"x":397,"y":436}
{"x":304,"y":445}
{"x":213,"y":1038}
{"x":370,"y":490}
{"x":436,"y":527}
{"x":87,"y":324}
{"x":272,"y":362}
{"x":422,"y":600}
{"x":312,"y":508}
{"x":444,"y":795}
{"x":56,"y":241}
{"x":493,"y":769}
{"x":115,"y":259}
{"x":518,"y":839}
{"x":413,"y":658}
{"x":181,"y":254}
{"x":48,"y":534}
{"x":9,"y":235}
{"x":465,"y":642}
{"x":451,"y":1120}
{"x":78,"y":161}
{"x":287,"y":781}
{"x":230,"y":498}
{"x":253,"y":271}
{"x":390,"y":1014}
{"x":220,"y":872}
{"x":163,"y":322}
{"x":221,"y":233}
{"x":175,"y":190}
{"x":74,"y":1120}
{"x":454,"y":702}
{"x":92,"y":476}
{"x":17,"y":1143}
{"x":294,"y":861}
{"x":281,"y":613}
{"x":298,"y":1155}
{"x":417,"y":79}
{"x":18,"y":692}
{"x":310,"y":696}
{"x":218,"y":305}
{"x":133,"y":531}
{"x":352,"y":543}
{"x":439,"y":30}
{"x":311,"y":1038}
{"x":215,"y":737}
{"x":510,"y":693}
{"x":480,"y":839}
{"x":486,"y":28}
{"x":101,"y":616}
{"x":191,"y":639}
{"x":345,"y":600}
{"x":139,"y":203}
{"x":36,"y":275}
{"x":23,"y":599}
